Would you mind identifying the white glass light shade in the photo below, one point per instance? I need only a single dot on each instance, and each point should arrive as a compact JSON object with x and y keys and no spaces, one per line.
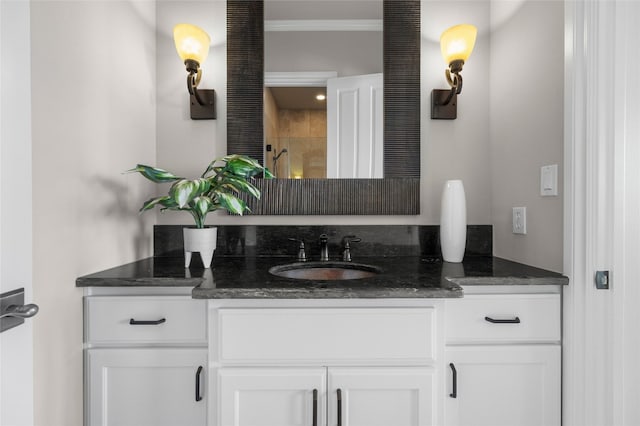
{"x":457,"y":42}
{"x":191,"y":42}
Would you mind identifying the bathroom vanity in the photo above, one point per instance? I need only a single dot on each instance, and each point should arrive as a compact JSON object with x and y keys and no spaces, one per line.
{"x":422,"y":343}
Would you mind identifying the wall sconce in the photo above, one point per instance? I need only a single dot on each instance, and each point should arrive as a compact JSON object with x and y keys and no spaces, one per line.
{"x":192,"y":44}
{"x":456,"y":44}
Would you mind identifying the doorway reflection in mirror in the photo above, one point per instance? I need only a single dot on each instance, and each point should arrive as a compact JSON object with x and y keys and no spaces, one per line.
{"x":308,"y":46}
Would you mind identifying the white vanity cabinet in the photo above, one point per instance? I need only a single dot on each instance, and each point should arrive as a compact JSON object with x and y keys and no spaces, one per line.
{"x":351,"y":363}
{"x":492,"y":357}
{"x":145,"y":360}
{"x":349,"y":396}
{"x":503,"y":360}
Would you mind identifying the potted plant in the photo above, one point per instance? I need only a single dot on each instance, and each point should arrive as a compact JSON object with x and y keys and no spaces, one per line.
{"x":216,"y":189}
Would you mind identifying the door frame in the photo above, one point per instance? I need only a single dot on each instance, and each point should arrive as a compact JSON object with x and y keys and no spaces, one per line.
{"x":16,"y":265}
{"x":601,"y":185}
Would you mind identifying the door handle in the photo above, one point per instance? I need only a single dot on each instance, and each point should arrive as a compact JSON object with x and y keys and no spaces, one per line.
{"x":198,"y":375}
{"x":515,"y":320}
{"x":13,"y":310}
{"x":20,"y":311}
{"x":454,"y":374}
{"x":315,"y":407}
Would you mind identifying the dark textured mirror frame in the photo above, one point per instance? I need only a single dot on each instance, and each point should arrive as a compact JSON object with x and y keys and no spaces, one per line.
{"x":399,"y":192}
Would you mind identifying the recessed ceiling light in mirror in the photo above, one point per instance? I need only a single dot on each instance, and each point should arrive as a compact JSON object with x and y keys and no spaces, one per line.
{"x":321,"y":97}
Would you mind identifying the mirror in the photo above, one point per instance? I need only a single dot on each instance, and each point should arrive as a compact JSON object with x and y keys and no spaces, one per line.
{"x":398,"y":192}
{"x":323,"y":97}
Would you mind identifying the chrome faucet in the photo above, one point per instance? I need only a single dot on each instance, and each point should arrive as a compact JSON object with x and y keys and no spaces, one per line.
{"x":346,"y":247}
{"x":302,"y":256}
{"x":324,"y":248}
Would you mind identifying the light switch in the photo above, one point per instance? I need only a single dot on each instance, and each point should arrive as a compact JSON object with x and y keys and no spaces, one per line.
{"x":549,"y":180}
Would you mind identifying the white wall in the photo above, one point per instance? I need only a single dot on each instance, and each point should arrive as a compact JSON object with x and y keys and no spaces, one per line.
{"x":451,"y":149}
{"x":526,"y":116}
{"x":346,"y":52}
{"x":94,"y":80}
{"x":186,"y":146}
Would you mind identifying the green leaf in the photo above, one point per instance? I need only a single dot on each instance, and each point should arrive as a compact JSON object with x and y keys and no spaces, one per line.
{"x":183,"y":192}
{"x":232,"y":203}
{"x":268,"y":174}
{"x":202,"y":185}
{"x":154,"y":174}
{"x":202,"y":205}
{"x":240,"y":185}
{"x":165,"y":201}
{"x":243,"y":166}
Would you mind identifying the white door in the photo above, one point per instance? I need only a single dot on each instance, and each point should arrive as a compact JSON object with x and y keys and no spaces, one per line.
{"x":355,"y":127}
{"x":147,"y":387}
{"x":503,"y":385}
{"x":381,"y":396}
{"x":272,"y":396}
{"x":16,"y":344}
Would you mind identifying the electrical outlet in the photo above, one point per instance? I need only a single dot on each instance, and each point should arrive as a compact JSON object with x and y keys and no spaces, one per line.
{"x":519,"y":220}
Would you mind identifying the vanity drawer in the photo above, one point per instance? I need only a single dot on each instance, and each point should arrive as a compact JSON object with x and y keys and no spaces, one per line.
{"x":325,"y":335}
{"x":145,"y":319}
{"x":517,"y":318}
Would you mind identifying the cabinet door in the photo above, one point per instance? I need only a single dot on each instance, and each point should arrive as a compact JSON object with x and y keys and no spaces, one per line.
{"x":272,"y":396}
{"x":382,"y":396}
{"x":140,"y":387}
{"x":503,"y":385}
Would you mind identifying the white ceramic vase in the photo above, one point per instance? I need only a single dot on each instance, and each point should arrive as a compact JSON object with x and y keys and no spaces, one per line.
{"x":202,"y":241}
{"x":453,"y":221}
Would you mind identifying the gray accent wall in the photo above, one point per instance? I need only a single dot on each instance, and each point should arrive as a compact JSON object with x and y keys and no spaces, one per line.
{"x":526,"y":132}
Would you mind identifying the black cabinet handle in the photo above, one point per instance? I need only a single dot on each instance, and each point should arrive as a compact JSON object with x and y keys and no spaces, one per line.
{"x":198,"y":375}
{"x":315,"y":407}
{"x":156,"y":322}
{"x":515,"y":320}
{"x":339,"y":391}
{"x":454,"y":373}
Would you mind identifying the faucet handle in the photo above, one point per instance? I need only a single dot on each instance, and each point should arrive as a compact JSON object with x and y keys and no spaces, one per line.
{"x":350,"y":239}
{"x":302,"y":256}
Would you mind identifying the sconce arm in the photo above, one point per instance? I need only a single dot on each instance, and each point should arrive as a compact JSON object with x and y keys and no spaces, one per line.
{"x":193,"y":79}
{"x":455,"y":81}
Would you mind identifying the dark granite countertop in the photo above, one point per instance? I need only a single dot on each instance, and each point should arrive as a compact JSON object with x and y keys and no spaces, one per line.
{"x":248,"y":277}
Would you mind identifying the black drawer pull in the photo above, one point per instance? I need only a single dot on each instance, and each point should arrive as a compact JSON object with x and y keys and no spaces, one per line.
{"x":339,"y":407}
{"x":315,"y":407}
{"x":156,"y":322}
{"x":198,"y":394}
{"x":454,"y":389}
{"x":515,"y":320}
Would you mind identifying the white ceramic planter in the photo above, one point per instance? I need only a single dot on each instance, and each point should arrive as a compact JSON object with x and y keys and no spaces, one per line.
{"x":202,"y":241}
{"x":453,"y":221}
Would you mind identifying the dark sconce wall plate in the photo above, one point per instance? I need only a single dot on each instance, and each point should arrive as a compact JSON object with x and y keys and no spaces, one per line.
{"x":206,"y":111}
{"x":440,"y":110}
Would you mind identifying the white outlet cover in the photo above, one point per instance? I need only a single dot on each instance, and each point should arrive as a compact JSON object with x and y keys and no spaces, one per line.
{"x":519,"y":220}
